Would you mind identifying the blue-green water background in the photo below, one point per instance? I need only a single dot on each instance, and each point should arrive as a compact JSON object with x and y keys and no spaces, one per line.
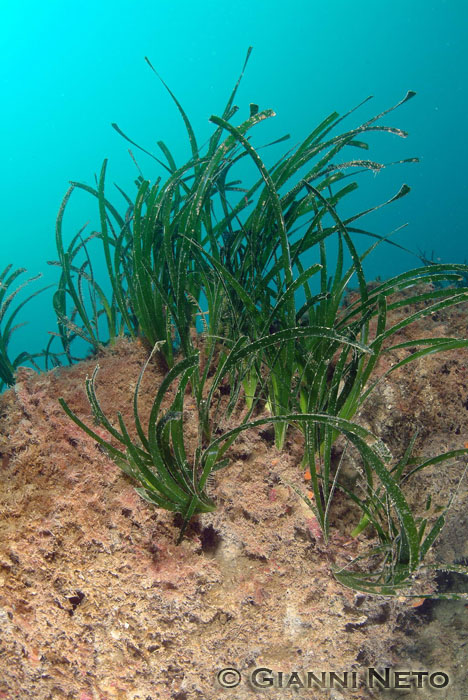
{"x":70,"y":69}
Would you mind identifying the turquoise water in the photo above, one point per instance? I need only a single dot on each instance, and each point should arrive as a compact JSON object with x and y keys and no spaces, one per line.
{"x":69,"y":71}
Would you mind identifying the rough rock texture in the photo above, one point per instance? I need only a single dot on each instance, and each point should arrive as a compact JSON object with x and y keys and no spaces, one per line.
{"x":98,"y":603}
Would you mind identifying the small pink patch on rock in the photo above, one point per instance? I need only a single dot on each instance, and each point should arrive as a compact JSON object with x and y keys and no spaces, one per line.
{"x":34,"y":657}
{"x":314,"y":528}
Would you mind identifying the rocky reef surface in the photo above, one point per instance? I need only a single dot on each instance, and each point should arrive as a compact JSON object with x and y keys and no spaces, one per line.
{"x":98,"y":603}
